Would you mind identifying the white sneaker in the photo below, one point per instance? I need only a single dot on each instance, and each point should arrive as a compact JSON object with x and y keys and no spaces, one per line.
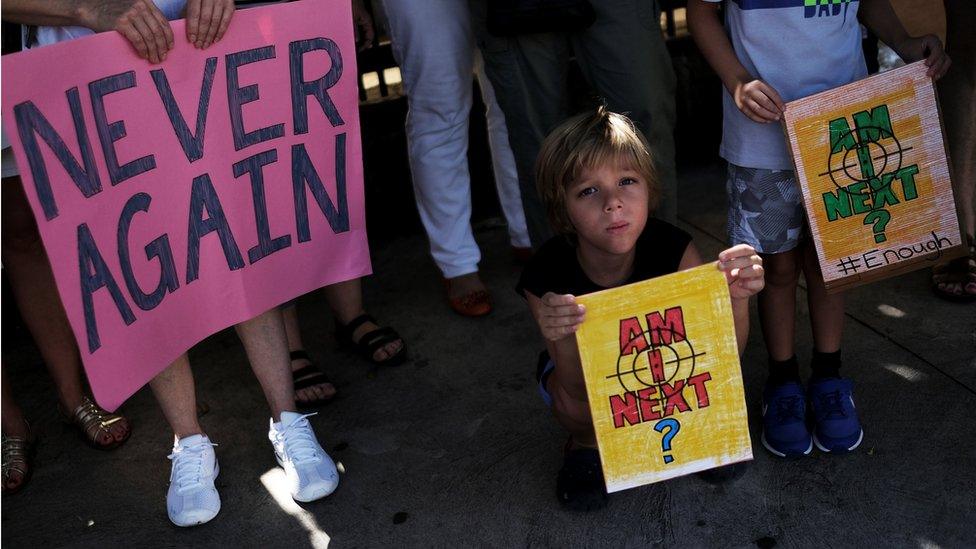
{"x":192,"y":498}
{"x":310,"y":471}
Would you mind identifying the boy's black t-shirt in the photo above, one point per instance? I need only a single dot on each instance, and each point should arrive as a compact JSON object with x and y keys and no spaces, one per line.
{"x":555,"y":268}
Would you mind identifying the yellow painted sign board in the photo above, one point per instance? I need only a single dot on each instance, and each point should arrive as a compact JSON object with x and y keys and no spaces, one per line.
{"x":663,"y":377}
{"x":870,"y":159}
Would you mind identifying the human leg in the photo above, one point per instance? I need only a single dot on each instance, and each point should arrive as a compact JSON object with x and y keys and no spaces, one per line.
{"x":346,"y":301}
{"x":528,"y":76}
{"x":579,"y":485}
{"x":310,"y":471}
{"x":502,"y":161}
{"x":785,"y":433}
{"x":192,"y":497}
{"x":175,"y":392}
{"x":316,"y":387}
{"x":433,"y":45}
{"x":765,"y":212}
{"x":36,"y":295}
{"x":625,"y":59}
{"x":826,"y":310}
{"x":957,"y":94}
{"x":267,"y":350}
{"x":837,"y":425}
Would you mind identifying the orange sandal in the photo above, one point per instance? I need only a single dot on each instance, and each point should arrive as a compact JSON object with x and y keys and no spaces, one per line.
{"x":471,"y":304}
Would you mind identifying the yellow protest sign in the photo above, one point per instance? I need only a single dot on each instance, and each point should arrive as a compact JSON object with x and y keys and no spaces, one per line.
{"x":663,"y":378}
{"x":870,"y":160}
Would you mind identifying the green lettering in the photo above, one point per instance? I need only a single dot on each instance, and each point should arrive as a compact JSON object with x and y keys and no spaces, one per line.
{"x":837,"y":205}
{"x":864,"y":159}
{"x":859,"y":198}
{"x":841,"y":136}
{"x":882,"y":192}
{"x":872,"y":126}
{"x":907,"y":177}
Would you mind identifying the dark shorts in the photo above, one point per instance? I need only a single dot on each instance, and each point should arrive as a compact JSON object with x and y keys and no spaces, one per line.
{"x":765,"y":209}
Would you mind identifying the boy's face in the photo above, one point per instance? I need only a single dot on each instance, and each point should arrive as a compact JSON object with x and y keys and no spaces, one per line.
{"x":608,"y":207}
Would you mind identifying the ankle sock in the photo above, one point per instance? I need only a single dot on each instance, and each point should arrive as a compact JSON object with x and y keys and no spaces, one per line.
{"x":825,"y":365}
{"x":784,"y":371}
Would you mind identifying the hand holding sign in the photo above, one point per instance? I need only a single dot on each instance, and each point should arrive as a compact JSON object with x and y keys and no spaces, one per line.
{"x":207,"y":21}
{"x":559,"y":316}
{"x":743,"y":271}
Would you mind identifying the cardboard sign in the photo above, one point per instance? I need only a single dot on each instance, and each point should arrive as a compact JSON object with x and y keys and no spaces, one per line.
{"x":663,"y":378}
{"x":178,"y":199}
{"x":871,"y":162}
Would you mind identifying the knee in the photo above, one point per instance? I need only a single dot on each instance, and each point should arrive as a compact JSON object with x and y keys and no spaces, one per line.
{"x":780,"y":274}
{"x":570,"y":407}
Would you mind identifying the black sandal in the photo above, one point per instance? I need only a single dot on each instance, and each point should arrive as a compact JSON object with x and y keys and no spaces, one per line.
{"x":371,"y":342}
{"x":308,"y":376}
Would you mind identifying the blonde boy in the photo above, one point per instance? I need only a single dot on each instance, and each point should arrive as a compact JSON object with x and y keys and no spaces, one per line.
{"x":597,"y":181}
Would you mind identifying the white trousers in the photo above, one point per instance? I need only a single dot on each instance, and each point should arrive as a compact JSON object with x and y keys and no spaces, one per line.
{"x":434,"y":45}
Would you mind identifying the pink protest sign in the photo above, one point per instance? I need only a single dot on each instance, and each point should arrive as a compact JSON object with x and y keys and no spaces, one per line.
{"x":178,"y":199}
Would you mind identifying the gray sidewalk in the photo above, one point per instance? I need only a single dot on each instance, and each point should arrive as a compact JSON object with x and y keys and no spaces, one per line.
{"x":455,"y":447}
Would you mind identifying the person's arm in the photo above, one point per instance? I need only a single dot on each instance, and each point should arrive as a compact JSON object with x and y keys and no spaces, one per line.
{"x":755,"y":98}
{"x":140,"y":21}
{"x":879,"y":16}
{"x":744,"y":273}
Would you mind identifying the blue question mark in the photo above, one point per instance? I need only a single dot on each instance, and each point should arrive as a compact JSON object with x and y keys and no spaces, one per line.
{"x":672,"y":427}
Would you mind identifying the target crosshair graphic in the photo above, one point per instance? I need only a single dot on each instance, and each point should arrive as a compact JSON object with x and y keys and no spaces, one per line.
{"x":844,"y":167}
{"x":679,"y":358}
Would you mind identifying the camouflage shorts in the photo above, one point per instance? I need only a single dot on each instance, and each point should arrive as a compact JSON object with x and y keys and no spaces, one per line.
{"x":765,"y":209}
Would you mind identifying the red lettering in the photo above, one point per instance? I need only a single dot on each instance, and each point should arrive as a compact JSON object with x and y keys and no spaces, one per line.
{"x":667,"y":329}
{"x":648,"y":404}
{"x":631,"y":336}
{"x":656,"y":364}
{"x":624,"y":407}
{"x":698,"y":382}
{"x":674,"y":398}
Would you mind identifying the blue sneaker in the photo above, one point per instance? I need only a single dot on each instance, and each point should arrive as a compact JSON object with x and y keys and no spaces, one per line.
{"x":785,"y":432}
{"x":837,"y":429}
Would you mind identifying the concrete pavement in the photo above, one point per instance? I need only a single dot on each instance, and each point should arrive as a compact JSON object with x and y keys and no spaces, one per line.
{"x":455,"y":448}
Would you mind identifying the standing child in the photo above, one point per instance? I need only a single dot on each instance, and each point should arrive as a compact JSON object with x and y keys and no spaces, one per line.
{"x":776,"y":51}
{"x":597,"y":181}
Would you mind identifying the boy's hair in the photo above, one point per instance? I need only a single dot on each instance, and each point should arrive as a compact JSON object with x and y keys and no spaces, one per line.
{"x":584,"y":141}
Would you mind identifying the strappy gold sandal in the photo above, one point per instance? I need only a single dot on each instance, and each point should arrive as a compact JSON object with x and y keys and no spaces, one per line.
{"x":18,"y":456}
{"x":94,"y":421}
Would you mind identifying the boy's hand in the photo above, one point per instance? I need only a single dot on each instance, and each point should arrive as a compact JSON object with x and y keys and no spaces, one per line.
{"x":758,"y":100}
{"x":743,"y":271}
{"x":560,"y":316}
{"x":929,"y":48}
